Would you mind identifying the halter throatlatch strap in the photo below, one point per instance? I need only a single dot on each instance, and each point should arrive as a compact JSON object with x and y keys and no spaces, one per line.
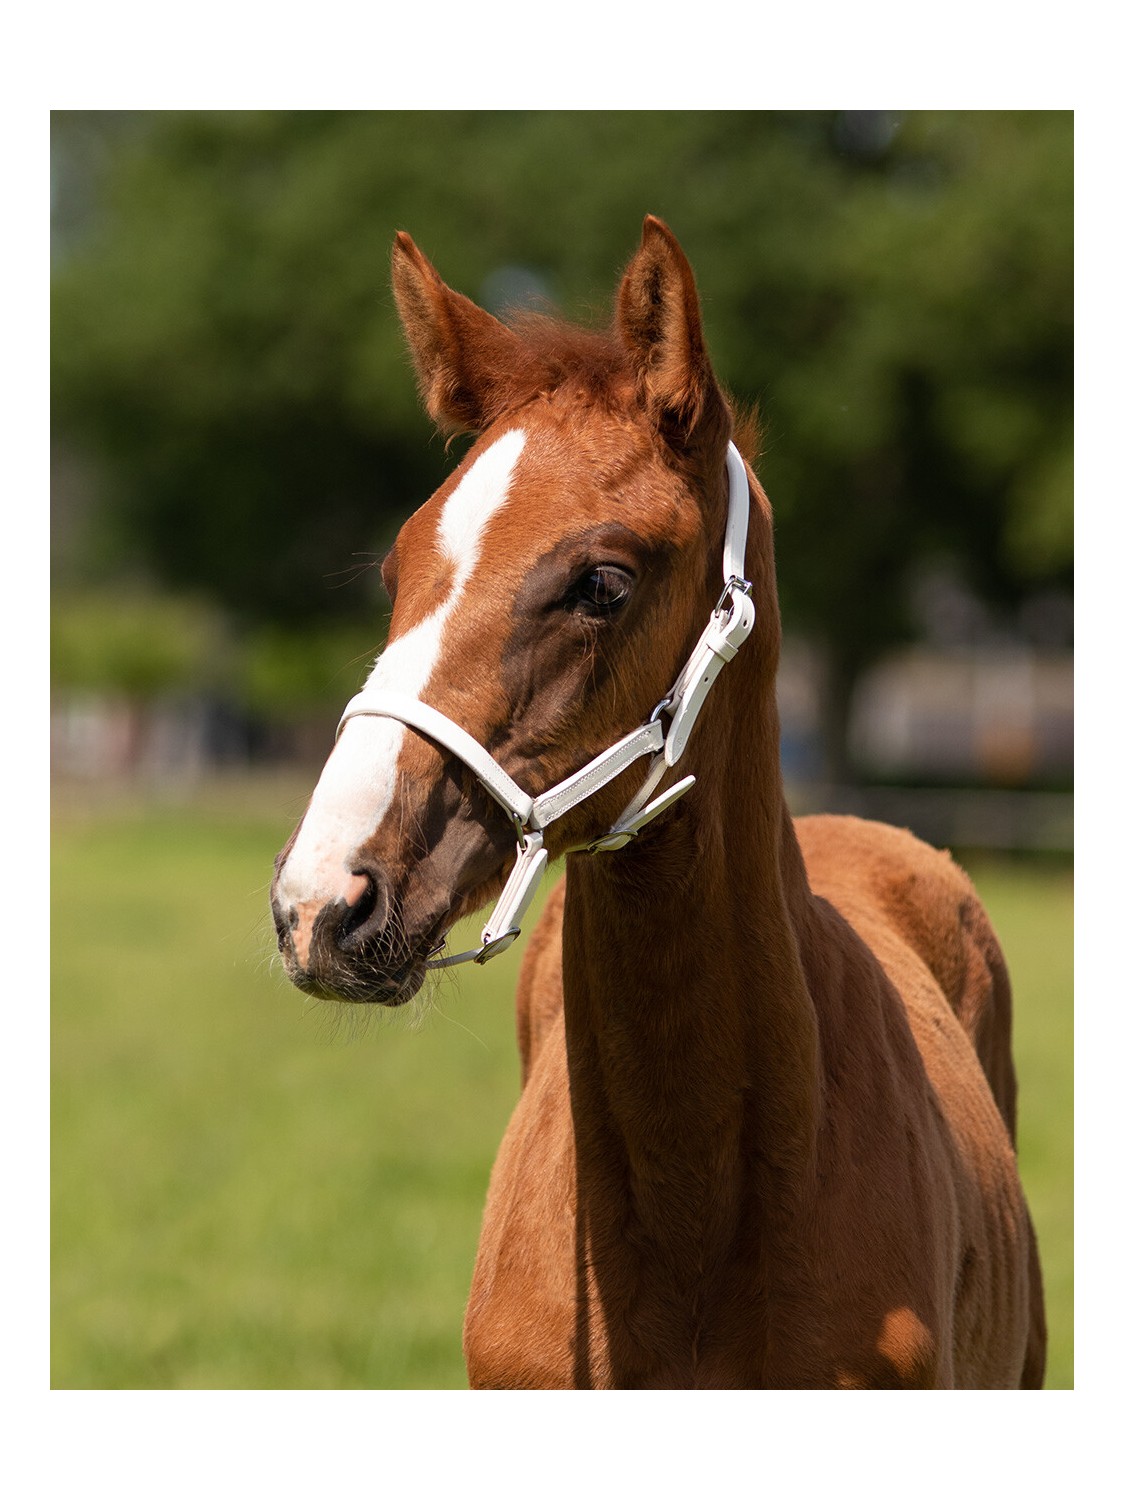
{"x":728,"y":626}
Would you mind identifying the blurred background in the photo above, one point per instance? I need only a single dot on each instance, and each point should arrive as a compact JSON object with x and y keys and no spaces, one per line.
{"x":251,"y":1192}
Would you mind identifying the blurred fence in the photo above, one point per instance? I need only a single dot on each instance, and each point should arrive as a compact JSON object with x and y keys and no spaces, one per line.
{"x":174,"y":742}
{"x":1004,"y":714}
{"x":986,"y":818}
{"x":969,"y":749}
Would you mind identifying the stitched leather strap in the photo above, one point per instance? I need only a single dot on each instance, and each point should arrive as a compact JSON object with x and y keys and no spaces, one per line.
{"x":550,"y":806}
{"x":545,"y":809}
{"x":729,"y":625}
{"x":436,"y":726}
{"x":738,"y":515}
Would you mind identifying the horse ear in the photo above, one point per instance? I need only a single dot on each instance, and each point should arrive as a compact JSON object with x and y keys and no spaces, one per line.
{"x":660,"y":324}
{"x":469,"y":365}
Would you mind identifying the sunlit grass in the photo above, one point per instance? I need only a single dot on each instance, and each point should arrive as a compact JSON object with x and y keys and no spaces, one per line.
{"x":250,"y":1192}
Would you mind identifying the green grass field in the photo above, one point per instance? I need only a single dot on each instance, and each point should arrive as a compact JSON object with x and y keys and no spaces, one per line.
{"x":252,"y":1191}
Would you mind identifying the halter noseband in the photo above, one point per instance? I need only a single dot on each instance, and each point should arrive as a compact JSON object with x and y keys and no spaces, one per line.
{"x":728,"y":626}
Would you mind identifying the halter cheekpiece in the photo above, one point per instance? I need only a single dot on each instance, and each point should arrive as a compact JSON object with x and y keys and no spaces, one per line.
{"x":663,"y":738}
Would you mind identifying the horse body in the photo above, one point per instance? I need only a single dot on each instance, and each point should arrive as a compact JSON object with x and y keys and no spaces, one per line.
{"x":765,"y":1134}
{"x":884,"y":1248}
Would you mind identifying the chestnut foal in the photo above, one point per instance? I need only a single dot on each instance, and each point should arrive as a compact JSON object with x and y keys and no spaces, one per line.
{"x":765,"y":1135}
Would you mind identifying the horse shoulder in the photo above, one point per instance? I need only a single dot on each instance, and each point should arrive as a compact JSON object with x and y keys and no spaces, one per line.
{"x":520,"y":1320}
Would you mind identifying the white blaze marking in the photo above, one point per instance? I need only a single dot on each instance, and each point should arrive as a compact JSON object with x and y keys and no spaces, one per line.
{"x":358,"y":781}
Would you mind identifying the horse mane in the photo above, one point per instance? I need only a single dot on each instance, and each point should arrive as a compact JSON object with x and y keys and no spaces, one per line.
{"x":590,"y":358}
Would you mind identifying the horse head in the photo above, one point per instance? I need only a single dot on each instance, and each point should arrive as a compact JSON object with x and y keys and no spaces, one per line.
{"x":544,"y":600}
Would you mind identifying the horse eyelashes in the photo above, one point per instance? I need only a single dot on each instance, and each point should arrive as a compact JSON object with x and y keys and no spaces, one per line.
{"x":602,"y":591}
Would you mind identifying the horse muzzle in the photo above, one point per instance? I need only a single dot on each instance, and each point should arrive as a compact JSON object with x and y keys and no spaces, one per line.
{"x":357,"y":946}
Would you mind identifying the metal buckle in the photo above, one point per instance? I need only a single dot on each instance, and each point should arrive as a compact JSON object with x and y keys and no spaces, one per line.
{"x":732,"y":586}
{"x":521,"y":830}
{"x":496,"y":945}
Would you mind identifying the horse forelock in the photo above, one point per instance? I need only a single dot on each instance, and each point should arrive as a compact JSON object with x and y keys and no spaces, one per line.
{"x":591,"y":364}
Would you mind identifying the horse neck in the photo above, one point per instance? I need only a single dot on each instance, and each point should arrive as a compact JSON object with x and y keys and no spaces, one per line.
{"x":691,"y":1036}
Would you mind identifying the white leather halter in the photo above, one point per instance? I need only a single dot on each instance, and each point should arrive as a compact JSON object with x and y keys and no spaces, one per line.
{"x":730,"y":623}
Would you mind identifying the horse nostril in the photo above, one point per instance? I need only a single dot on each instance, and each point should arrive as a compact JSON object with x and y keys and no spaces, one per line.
{"x":286,"y":924}
{"x":366,"y":912}
{"x":284,"y":921}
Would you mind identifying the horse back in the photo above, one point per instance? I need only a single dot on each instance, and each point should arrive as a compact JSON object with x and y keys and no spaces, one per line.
{"x":877,"y":876}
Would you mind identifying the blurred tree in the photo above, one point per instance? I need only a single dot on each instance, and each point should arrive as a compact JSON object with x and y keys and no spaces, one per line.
{"x":138,"y":645}
{"x":896,"y":291}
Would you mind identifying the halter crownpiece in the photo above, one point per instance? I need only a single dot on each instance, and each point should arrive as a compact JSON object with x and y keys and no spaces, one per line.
{"x":727,"y":627}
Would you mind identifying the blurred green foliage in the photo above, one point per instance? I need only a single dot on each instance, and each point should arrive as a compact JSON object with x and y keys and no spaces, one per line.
{"x":145,"y":645}
{"x":289,"y":670}
{"x":895,"y":291}
{"x":140,"y":644}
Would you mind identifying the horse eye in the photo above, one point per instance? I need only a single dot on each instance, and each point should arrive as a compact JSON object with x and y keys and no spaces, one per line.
{"x":602,"y":590}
